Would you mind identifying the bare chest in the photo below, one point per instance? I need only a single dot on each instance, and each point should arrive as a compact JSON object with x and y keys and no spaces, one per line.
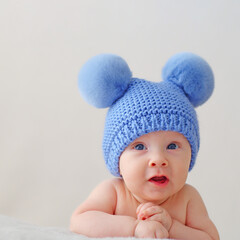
{"x":176,"y":207}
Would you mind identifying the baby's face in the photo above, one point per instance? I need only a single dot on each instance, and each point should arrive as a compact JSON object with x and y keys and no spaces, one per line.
{"x":155,"y":166}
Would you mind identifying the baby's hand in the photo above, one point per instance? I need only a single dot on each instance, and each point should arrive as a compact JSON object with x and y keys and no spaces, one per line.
{"x":150,"y":211}
{"x":150,"y":229}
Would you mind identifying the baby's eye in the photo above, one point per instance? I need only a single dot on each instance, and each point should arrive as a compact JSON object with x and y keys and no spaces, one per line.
{"x":140,"y":146}
{"x":172,"y":146}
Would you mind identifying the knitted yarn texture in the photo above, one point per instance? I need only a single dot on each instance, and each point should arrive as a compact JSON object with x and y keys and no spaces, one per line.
{"x":141,"y":106}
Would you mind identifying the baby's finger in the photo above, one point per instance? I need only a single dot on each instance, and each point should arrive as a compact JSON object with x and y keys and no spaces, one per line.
{"x":156,"y":217}
{"x":162,"y":233}
{"x":151,"y":211}
{"x":144,"y":206}
{"x":139,"y":208}
{"x":163,"y":218}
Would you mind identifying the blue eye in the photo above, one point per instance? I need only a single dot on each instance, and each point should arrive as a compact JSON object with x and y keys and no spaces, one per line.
{"x":172,"y":146}
{"x":140,"y":146}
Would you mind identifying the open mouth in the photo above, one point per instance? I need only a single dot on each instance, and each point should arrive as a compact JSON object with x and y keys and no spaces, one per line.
{"x":159,"y":180}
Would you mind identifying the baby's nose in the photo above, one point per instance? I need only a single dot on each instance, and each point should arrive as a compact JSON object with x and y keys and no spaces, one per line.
{"x":159,"y":161}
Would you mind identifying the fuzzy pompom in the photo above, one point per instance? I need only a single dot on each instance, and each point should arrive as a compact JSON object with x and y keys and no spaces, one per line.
{"x":192,"y":74}
{"x":103,"y":79}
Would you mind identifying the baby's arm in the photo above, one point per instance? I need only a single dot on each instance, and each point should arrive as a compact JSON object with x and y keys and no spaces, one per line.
{"x":198,"y":225}
{"x":95,"y":217}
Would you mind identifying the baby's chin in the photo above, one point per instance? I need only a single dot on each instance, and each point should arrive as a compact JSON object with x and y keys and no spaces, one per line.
{"x":156,"y":199}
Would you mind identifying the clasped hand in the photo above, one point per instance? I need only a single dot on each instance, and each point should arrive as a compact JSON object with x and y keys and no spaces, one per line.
{"x":154,"y":221}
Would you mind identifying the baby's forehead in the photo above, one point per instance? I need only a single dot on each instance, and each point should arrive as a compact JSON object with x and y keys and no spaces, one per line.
{"x":162,"y":135}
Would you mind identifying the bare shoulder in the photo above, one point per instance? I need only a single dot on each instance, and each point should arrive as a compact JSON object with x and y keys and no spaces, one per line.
{"x":195,"y":202}
{"x":110,"y":185}
{"x":105,"y":190}
{"x":102,"y":198}
{"x":189,"y":189}
{"x":197,"y":215}
{"x":186,"y":193}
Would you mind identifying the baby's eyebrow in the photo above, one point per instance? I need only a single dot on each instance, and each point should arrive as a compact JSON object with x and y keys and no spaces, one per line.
{"x":137,"y":142}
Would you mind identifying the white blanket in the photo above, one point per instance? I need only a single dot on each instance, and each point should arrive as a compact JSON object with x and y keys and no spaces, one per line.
{"x":12,"y":229}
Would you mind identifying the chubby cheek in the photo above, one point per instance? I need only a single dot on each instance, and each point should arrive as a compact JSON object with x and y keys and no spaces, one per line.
{"x":132,"y":179}
{"x":130,"y":171}
{"x":126,"y":169}
{"x":181,"y":173}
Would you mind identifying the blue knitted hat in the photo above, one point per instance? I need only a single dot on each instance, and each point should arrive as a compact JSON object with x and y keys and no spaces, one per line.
{"x":138,"y":107}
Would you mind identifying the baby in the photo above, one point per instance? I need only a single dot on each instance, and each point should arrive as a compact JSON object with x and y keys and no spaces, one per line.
{"x":150,"y":143}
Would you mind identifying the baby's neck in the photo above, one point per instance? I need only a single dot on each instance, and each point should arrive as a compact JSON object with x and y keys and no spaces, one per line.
{"x":158,"y":202}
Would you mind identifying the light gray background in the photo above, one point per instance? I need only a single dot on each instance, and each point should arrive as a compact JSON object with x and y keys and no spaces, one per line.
{"x":50,"y":139}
